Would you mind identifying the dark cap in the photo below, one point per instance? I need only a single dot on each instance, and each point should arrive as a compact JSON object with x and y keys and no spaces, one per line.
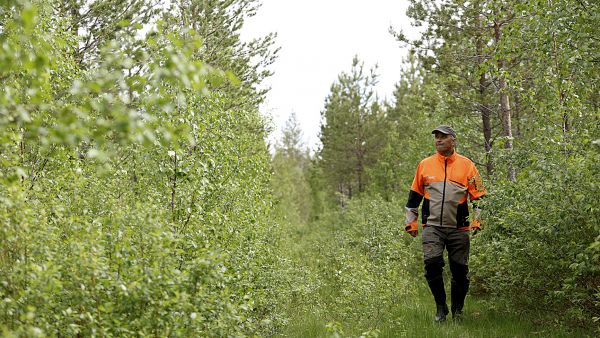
{"x":445,"y":130}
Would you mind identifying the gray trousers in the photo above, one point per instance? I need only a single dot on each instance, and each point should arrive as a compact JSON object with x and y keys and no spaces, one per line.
{"x":435,"y":240}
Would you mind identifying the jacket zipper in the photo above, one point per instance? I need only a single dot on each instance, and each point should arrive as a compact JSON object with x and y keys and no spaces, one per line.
{"x":443,"y":192}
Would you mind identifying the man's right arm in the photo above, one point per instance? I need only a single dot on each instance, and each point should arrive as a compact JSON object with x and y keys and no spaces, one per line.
{"x":412,"y":213}
{"x":415,"y":196}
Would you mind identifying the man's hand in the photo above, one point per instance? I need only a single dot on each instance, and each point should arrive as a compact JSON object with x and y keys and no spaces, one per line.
{"x":475,"y":227}
{"x":412,"y":228}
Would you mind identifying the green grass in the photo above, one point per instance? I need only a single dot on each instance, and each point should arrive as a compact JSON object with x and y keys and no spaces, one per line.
{"x":413,"y":317}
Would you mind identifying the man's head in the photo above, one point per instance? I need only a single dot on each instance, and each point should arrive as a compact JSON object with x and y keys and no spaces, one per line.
{"x":445,"y":140}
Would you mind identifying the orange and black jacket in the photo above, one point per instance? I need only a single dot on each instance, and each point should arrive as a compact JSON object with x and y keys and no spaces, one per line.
{"x":444,"y":184}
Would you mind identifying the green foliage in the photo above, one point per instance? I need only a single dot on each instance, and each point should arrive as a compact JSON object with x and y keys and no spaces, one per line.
{"x":135,"y":200}
{"x":537,"y":250}
{"x":97,"y":22}
{"x":347,"y":264}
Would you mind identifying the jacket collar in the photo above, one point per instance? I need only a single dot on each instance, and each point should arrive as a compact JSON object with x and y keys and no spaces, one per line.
{"x":450,"y":158}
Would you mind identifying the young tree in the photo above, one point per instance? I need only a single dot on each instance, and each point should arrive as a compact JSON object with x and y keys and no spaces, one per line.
{"x":290,"y":179}
{"x":350,"y":131}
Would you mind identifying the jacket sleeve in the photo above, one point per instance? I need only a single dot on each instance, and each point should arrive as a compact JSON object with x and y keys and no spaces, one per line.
{"x":475,"y":184}
{"x":415,"y":196}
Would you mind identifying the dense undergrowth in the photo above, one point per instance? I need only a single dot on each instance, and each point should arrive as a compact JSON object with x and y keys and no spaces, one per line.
{"x":541,"y":247}
{"x":134,"y":192}
{"x":353,"y":273}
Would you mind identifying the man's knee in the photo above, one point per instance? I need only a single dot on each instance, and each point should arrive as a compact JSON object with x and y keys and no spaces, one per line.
{"x":459,"y":271}
{"x":434,"y":268}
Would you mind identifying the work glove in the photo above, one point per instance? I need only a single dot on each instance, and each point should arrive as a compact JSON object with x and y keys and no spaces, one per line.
{"x":412,"y":228}
{"x":475,"y":227}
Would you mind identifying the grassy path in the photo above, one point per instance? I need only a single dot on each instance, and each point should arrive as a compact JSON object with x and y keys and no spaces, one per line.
{"x":341,"y":291}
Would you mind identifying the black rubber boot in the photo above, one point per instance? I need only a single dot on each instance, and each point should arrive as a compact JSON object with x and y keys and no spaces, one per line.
{"x":439,"y":294}
{"x":458,"y":294}
{"x":459,"y":288}
{"x":442,"y":311}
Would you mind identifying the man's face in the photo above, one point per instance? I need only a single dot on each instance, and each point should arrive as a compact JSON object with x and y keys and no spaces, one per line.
{"x":444,"y":144}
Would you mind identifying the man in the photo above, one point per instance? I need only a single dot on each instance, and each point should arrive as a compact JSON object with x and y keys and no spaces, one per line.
{"x":444,"y":181}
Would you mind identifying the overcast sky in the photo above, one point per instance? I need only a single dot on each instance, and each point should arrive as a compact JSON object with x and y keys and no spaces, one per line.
{"x":318,"y":39}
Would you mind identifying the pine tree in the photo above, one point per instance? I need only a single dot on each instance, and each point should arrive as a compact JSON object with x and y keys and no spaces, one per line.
{"x":218,"y":24}
{"x":97,"y":22}
{"x":290,"y":179}
{"x":350,"y":131}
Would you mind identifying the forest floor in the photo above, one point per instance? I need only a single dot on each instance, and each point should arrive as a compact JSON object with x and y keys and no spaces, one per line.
{"x":330,"y":306}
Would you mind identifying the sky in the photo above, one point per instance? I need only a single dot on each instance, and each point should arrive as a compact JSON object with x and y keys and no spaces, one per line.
{"x":318,"y":40}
